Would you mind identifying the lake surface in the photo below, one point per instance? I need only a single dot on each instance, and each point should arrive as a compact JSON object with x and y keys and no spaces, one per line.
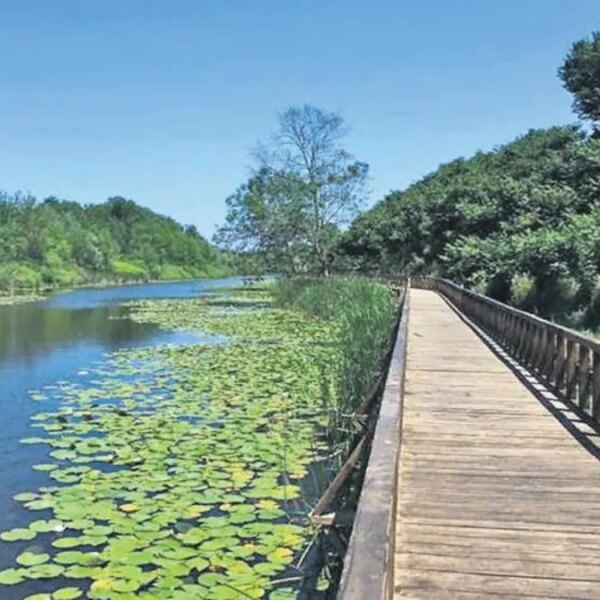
{"x":54,"y":340}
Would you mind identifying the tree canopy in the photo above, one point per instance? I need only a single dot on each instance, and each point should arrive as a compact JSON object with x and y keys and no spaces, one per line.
{"x":580,"y":74}
{"x":520,"y":223}
{"x":57,"y":243}
{"x":304,"y":187}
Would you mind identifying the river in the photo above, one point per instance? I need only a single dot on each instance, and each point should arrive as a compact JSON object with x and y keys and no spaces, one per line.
{"x":54,"y":340}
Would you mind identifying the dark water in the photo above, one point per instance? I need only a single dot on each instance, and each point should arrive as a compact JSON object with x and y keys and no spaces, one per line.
{"x":51,"y":340}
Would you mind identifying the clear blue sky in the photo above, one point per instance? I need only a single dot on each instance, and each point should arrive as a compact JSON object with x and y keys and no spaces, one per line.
{"x":162,"y":100}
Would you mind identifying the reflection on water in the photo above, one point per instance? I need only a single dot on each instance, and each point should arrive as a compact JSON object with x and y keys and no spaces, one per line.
{"x":28,"y":331}
{"x":31,"y":329}
{"x":52,"y":340}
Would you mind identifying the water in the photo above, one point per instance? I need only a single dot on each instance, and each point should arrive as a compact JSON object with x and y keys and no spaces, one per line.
{"x":51,"y":340}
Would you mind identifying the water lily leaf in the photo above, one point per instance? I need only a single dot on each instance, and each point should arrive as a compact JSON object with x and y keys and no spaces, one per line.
{"x":68,"y":542}
{"x":17,"y":534}
{"x":34,"y":440}
{"x":43,"y":526}
{"x":281,"y":556}
{"x":29,"y":559}
{"x":126,"y":585}
{"x":101,"y":587}
{"x":69,"y":593}
{"x":41,"y":504}
{"x":25,"y":497}
{"x":70,"y":557}
{"x":46,"y":571}
{"x":11,"y":576}
{"x":268,"y":569}
{"x":45,"y":467}
{"x":210,"y":580}
{"x":213,"y":545}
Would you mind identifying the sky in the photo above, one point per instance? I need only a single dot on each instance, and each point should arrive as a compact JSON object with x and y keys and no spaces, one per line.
{"x":162,"y":101}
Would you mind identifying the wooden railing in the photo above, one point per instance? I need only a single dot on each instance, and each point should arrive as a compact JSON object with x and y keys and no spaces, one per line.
{"x":567,"y":362}
{"x":369,"y":560}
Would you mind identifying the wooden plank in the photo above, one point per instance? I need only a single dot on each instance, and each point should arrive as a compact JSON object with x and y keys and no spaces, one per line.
{"x":495,"y":498}
{"x":596,"y":386}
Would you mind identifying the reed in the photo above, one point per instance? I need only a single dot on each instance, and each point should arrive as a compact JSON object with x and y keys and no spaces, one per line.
{"x":363,"y":310}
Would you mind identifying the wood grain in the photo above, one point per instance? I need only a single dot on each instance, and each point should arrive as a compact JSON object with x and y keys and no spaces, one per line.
{"x":496,"y":499}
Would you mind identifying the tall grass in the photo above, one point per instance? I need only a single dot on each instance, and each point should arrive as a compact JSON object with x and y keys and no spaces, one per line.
{"x":363,"y":311}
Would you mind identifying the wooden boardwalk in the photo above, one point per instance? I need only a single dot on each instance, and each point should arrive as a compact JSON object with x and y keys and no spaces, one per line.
{"x":496,"y":499}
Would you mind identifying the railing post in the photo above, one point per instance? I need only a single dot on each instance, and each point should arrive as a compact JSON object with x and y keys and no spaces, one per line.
{"x":596,"y":386}
{"x":566,"y":361}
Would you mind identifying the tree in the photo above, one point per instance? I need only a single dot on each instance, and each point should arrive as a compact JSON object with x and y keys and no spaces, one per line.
{"x":304,"y":188}
{"x":580,"y":74}
{"x":57,"y":243}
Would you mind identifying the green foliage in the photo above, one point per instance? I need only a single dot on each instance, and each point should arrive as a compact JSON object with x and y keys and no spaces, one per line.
{"x":124,"y":269}
{"x":363,"y":312}
{"x":522,"y":289}
{"x":520,"y":223}
{"x":580,"y":74}
{"x":56,"y":243}
{"x":305,"y":187}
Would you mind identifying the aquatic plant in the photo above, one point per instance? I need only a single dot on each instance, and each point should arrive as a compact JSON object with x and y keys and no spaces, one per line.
{"x":183,"y":471}
{"x":362,"y":312}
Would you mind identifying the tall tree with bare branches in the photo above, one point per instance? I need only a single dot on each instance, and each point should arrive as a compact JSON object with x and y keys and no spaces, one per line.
{"x":305,"y":187}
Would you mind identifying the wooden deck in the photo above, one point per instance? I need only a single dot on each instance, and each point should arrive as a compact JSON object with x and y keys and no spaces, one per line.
{"x":496,"y":499}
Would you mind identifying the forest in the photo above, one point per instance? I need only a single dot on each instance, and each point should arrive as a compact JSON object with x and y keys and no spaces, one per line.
{"x":520,"y":223}
{"x":56,"y":243}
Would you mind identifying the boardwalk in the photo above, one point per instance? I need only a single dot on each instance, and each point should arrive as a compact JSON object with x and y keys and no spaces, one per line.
{"x":495,"y":498}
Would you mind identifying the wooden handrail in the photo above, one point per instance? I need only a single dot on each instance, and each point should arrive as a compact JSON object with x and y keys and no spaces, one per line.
{"x":369,"y":561}
{"x":567,"y":362}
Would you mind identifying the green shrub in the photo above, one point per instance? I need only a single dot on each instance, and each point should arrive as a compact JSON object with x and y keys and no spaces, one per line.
{"x":61,"y":276}
{"x":522,"y":291}
{"x":563,"y":295}
{"x":593,"y":316}
{"x":479,"y":282}
{"x":125,"y":269}
{"x":19,"y":276}
{"x":174,"y":272}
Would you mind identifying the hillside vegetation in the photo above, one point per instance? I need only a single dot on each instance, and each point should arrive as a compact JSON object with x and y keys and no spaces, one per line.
{"x":520,"y":223}
{"x":57,"y":243}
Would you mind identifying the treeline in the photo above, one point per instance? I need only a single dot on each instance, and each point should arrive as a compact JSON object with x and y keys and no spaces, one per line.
{"x":520,"y":223}
{"x":56,"y":243}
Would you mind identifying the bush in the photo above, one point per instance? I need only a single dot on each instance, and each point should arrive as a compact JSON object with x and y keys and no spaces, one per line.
{"x":125,"y":269}
{"x":15,"y":277}
{"x":61,"y":276}
{"x":560,"y":296}
{"x":174,"y":272}
{"x":479,"y":282}
{"x":522,"y":291}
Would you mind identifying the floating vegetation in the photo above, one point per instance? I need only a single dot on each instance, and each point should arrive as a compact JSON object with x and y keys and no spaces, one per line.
{"x":23,"y":299}
{"x":181,"y":472}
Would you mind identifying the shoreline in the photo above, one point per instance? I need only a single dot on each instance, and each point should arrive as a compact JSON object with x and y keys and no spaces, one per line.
{"x":30,"y":296}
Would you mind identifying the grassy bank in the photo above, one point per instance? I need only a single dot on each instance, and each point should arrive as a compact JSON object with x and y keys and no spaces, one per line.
{"x":362,"y":312}
{"x":22,"y":279}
